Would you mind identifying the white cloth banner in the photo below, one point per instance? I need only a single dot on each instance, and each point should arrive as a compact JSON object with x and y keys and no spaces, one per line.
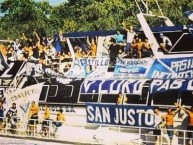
{"x":23,"y":98}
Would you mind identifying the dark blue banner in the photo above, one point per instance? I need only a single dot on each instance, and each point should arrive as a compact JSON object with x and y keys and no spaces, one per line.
{"x":125,"y":115}
{"x":171,"y":68}
{"x":159,"y":85}
{"x":112,"y":86}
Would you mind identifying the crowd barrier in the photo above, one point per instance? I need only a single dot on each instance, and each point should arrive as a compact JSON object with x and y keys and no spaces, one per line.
{"x":91,"y":133}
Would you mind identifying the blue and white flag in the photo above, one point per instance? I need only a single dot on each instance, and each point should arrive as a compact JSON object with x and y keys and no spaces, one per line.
{"x":23,"y":97}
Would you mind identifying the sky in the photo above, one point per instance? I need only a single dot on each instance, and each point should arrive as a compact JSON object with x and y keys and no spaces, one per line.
{"x":53,"y":2}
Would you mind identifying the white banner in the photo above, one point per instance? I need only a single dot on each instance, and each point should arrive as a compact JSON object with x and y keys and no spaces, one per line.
{"x":23,"y":98}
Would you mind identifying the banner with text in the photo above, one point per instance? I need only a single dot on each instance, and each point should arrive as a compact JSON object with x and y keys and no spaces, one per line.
{"x":89,"y":67}
{"x":132,"y":68}
{"x":120,"y":115}
{"x":23,"y":98}
{"x":170,"y":68}
{"x":131,"y":86}
{"x":160,"y":85}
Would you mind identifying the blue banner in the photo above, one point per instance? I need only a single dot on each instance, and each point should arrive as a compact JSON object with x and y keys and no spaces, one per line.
{"x":170,"y":68}
{"x":112,"y":86}
{"x":120,"y":115}
{"x":166,"y":68}
{"x":89,"y":68}
{"x":132,"y":68}
{"x":171,"y":84}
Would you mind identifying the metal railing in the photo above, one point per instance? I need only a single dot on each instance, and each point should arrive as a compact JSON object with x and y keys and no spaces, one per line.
{"x":91,"y":133}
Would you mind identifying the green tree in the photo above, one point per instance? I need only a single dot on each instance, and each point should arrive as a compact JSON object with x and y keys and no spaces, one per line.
{"x":24,"y":16}
{"x":84,"y":15}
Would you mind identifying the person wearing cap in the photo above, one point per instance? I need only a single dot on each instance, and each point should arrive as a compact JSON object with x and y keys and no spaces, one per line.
{"x":165,"y":43}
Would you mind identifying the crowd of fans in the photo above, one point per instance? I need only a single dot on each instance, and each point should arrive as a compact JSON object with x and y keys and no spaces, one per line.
{"x":41,"y":49}
{"x":49,"y":50}
{"x":12,"y":119}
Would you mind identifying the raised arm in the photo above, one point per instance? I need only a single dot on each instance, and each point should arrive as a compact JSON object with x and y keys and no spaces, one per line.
{"x":163,"y":123}
{"x":37,"y":36}
{"x":23,"y":35}
{"x":88,"y":41}
{"x":183,"y":108}
{"x":177,"y":109}
{"x":124,"y":27}
{"x":96,"y":39}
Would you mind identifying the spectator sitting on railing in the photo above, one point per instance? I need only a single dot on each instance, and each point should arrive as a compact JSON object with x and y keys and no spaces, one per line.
{"x":133,"y":49}
{"x":165,"y":43}
{"x":46,"y":121}
{"x":190,"y":124}
{"x":60,"y":119}
{"x":1,"y":115}
{"x":147,"y":51}
{"x":12,"y":117}
{"x":139,"y":46}
{"x":33,"y":115}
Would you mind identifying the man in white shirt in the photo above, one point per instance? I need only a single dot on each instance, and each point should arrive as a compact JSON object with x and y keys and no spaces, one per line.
{"x":130,"y":36}
{"x":165,"y":43}
{"x":16,"y":44}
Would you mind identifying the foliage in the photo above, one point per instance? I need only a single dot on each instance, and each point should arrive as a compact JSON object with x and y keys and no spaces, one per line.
{"x":27,"y":16}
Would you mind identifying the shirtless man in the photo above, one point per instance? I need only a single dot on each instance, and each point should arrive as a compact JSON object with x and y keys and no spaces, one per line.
{"x":139,"y":46}
{"x":169,"y":121}
{"x":147,"y":48}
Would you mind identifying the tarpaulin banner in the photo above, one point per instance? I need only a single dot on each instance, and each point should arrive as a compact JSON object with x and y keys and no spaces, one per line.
{"x":125,"y":115}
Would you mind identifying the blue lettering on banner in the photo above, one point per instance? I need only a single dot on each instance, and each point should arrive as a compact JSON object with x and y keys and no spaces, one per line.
{"x":132,"y":62}
{"x":93,"y":61}
{"x":112,"y":86}
{"x":120,"y":115}
{"x":172,"y":84}
{"x":132,"y":68}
